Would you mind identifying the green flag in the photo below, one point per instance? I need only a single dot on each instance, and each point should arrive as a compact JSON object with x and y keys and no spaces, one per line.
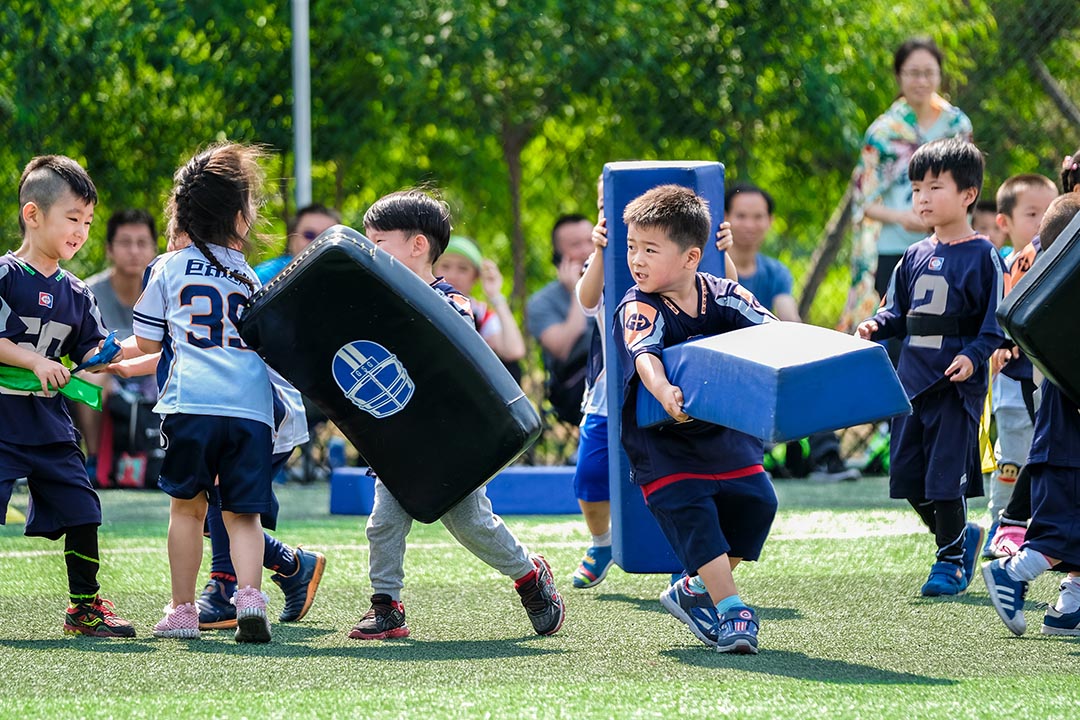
{"x":79,"y":390}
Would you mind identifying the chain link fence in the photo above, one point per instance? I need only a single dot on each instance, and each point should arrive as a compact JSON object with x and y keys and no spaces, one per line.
{"x":511,"y":111}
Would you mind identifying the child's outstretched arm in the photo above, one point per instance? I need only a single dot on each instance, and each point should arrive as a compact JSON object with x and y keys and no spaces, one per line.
{"x":990,"y":337}
{"x":590,"y":288}
{"x":49,"y":372}
{"x":133,"y":362}
{"x":653,"y":376}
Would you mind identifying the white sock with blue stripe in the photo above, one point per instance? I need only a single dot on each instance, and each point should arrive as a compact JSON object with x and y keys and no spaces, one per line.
{"x":1027,"y":565}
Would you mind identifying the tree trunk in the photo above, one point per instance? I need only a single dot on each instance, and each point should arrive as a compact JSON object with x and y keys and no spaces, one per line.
{"x":1054,"y":90}
{"x":827,"y":250}
{"x":513,"y":140}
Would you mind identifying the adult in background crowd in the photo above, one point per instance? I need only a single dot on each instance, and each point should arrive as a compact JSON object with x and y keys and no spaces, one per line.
{"x":556,"y":320}
{"x":885,"y":223}
{"x":309,"y":222}
{"x":130,"y":245}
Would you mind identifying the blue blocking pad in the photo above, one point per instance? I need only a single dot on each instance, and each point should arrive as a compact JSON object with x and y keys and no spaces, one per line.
{"x":780,"y":381}
{"x":408,"y":380}
{"x":637,"y":544}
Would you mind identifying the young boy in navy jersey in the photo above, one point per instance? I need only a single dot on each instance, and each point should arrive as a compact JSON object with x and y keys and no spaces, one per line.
{"x":941,"y":301}
{"x":703,"y":483}
{"x":415,"y":229}
{"x":45,"y":314}
{"x":1053,"y":535}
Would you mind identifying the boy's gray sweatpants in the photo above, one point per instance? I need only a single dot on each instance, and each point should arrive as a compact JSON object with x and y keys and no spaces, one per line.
{"x":472,"y":523}
{"x":1015,"y":431}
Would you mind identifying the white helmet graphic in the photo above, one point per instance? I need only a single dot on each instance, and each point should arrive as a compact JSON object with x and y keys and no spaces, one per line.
{"x":372,"y":378}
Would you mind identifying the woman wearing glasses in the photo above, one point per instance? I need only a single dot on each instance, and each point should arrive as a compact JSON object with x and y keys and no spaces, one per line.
{"x":885,"y":224}
{"x":309,"y":222}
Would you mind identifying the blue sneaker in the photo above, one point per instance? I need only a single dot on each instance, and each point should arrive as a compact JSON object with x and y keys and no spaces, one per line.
{"x":738,"y":632}
{"x":300,"y":587}
{"x":945,"y":579}
{"x":696,"y":610}
{"x":1058,"y":623}
{"x":216,"y":611}
{"x":987,"y":552}
{"x":1006,"y":595}
{"x":974,"y":536}
{"x":593,"y":568}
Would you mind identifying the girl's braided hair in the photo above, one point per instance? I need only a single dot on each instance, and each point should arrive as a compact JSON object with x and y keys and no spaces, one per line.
{"x":211,"y":193}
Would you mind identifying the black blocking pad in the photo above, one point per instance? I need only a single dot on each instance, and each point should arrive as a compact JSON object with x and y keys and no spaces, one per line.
{"x":411,"y":383}
{"x":1038,"y":314}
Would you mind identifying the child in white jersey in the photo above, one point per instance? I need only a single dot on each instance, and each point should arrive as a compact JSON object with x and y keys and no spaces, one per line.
{"x":213,"y":390}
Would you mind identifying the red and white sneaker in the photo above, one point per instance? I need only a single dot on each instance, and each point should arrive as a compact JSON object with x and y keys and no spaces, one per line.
{"x":181,"y":622}
{"x":252,"y":624}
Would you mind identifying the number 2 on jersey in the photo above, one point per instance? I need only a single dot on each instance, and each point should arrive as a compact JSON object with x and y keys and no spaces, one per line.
{"x":220,"y":321}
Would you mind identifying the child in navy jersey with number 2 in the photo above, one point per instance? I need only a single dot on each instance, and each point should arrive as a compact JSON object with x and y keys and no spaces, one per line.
{"x":703,"y":483}
{"x":214,"y":391}
{"x":45,"y":314}
{"x":941,"y":301}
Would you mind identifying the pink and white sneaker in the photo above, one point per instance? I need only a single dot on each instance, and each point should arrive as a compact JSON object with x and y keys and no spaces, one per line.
{"x":252,"y":624}
{"x":181,"y":622}
{"x":1008,"y":540}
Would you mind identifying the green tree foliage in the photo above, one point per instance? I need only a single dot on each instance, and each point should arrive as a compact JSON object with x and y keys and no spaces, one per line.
{"x":511,"y":109}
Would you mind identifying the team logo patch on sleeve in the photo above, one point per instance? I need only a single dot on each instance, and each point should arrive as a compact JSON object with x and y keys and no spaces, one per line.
{"x":639,"y":319}
{"x":45,"y":299}
{"x":372,"y":378}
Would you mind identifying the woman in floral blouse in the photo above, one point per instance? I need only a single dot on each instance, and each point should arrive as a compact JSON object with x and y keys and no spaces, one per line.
{"x":885,"y":224}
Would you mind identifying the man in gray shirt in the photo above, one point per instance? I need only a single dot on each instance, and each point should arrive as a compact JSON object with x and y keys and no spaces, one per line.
{"x":554,"y":318}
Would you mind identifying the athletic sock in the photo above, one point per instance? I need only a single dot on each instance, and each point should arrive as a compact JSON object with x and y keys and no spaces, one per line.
{"x":696,"y":585}
{"x":278,"y":556}
{"x":81,"y":558}
{"x":602,"y":540}
{"x":220,"y":557}
{"x":731,"y":601}
{"x":1069,"y":599}
{"x":1027,"y":565}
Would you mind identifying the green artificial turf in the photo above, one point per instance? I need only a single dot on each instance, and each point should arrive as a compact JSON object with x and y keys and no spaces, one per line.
{"x":844,"y":632}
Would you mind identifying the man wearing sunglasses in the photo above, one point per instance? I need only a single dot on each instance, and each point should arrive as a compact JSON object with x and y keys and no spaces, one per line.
{"x":309,"y":222}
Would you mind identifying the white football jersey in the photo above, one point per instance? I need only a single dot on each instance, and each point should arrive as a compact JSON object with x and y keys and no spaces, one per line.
{"x":292,"y":428}
{"x":193,"y":309}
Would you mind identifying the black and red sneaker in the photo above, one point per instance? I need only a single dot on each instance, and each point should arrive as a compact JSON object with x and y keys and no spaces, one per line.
{"x":540,"y":598}
{"x":97,"y":619}
{"x":384,"y":620}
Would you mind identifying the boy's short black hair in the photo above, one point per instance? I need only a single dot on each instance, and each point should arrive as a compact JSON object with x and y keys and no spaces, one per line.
{"x":745,"y":188}
{"x":47,"y":177}
{"x":986,"y":206}
{"x":413,"y":212}
{"x":1058,"y":216}
{"x":958,"y":157}
{"x":130,"y":216}
{"x":1009,"y":192}
{"x":678,"y":211}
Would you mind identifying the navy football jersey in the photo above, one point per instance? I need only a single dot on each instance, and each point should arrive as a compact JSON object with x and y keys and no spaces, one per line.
{"x":55,"y":317}
{"x":648,"y":323}
{"x":1057,"y":430}
{"x":457,"y":300}
{"x":961,"y":282}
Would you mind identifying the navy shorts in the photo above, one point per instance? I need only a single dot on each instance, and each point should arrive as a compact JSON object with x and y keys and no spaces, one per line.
{"x":704,"y":519}
{"x":61,"y":495}
{"x":1054,"y":529}
{"x":236,"y":451}
{"x":591,"y":474}
{"x":934,"y":451}
{"x":267,"y":519}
